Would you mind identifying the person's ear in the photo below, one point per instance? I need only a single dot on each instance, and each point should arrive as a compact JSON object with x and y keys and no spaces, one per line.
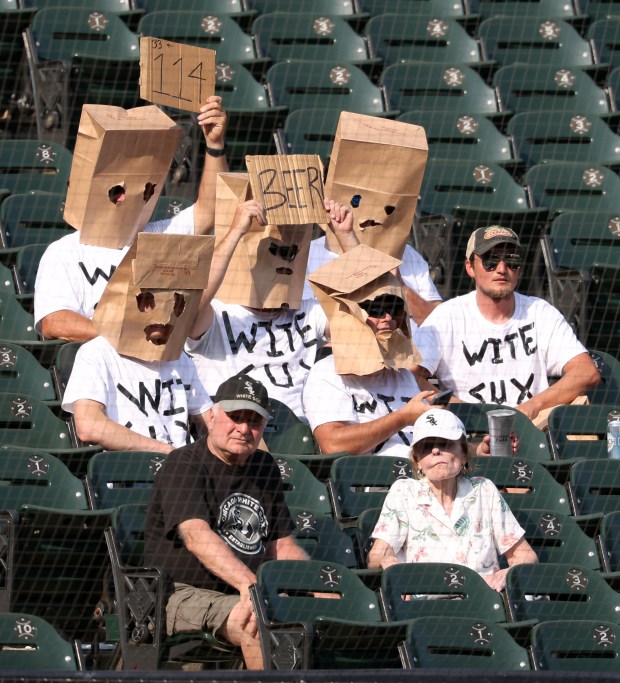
{"x":469,"y":268}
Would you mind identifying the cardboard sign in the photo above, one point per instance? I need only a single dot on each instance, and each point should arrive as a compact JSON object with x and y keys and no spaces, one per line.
{"x":376,"y":168}
{"x":362,"y":274}
{"x":172,"y":271}
{"x":268,"y":266}
{"x":290,"y":187}
{"x":120,"y":162}
{"x":176,"y":75}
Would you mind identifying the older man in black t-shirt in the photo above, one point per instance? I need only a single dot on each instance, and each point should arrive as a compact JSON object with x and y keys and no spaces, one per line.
{"x":217,"y":511}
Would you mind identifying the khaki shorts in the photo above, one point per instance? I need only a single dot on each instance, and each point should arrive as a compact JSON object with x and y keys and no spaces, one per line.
{"x":197,"y":609}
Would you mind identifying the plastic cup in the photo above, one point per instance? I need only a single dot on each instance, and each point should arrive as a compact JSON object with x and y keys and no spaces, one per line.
{"x":501,"y":424}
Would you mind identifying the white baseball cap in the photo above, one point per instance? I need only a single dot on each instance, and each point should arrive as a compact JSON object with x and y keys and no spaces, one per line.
{"x":438,"y":424}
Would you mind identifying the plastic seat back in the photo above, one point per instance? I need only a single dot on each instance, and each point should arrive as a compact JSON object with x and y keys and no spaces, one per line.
{"x":461,"y":643}
{"x":409,"y":36}
{"x":440,"y":8}
{"x":533,"y":40}
{"x":27,"y":422}
{"x":608,"y":390}
{"x":579,"y":431}
{"x":299,"y":84}
{"x":604,"y":36}
{"x":30,"y":643}
{"x":541,"y":9}
{"x":523,"y":87}
{"x":437,"y":87}
{"x":424,"y":589}
{"x":286,"y":433}
{"x":595,"y":486}
{"x":34,"y":165}
{"x":609,"y":541}
{"x":116,"y":478}
{"x":576,"y":645}
{"x":20,"y":373}
{"x":38,"y":478}
{"x":301,"y":488}
{"x":322,"y":538}
{"x":559,"y":591}
{"x":32,"y":218}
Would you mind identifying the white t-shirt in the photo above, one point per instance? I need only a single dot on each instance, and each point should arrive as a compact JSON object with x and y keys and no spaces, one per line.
{"x":154,"y":399}
{"x":330,"y":397}
{"x":486,"y":363}
{"x":278,"y":348}
{"x":72,"y":275}
{"x":480,"y":528}
{"x":414,"y":271}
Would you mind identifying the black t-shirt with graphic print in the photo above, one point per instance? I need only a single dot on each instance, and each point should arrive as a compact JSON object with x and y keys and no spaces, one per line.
{"x":243,"y":504}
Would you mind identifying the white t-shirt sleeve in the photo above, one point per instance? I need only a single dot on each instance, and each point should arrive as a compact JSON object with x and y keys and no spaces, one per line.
{"x":325,"y":397}
{"x":55,"y":287}
{"x":415,"y":274}
{"x":563,"y":344}
{"x":181,"y":223}
{"x":89,"y":378}
{"x":427,"y":339}
{"x":198,"y":400}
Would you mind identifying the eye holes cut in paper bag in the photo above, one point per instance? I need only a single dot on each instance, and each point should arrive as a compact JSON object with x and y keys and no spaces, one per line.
{"x":268,"y":266}
{"x":376,"y":168}
{"x":289,"y":187}
{"x":157,"y":285}
{"x":120,"y":163}
{"x":176,"y":75}
{"x":362,"y":274}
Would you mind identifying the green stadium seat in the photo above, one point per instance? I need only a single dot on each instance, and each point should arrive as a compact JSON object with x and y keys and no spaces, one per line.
{"x":301,"y":488}
{"x":351,"y":478}
{"x":26,"y":266}
{"x":461,"y":643}
{"x":418,"y":86}
{"x":309,"y":131}
{"x":438,"y":589}
{"x":79,"y":56}
{"x":31,"y":218}
{"x":604,"y":35}
{"x":281,"y":36}
{"x":533,"y":40}
{"x":125,"y":9}
{"x":594,"y":486}
{"x":33,"y":165}
{"x":461,"y":137}
{"x":529,"y":87}
{"x":441,"y":8}
{"x":20,"y":374}
{"x":609,"y":541}
{"x":299,"y":630}
{"x":608,"y":391}
{"x":540,"y":9}
{"x":31,"y":644}
{"x":29,"y":477}
{"x":343,"y":8}
{"x":576,"y":645}
{"x":285,"y":433}
{"x":63,"y":364}
{"x":568,"y":422}
{"x":322,"y":538}
{"x":395,"y":38}
{"x":168,"y":206}
{"x":299,"y":84}
{"x":564,"y":136}
{"x":551,"y":591}
{"x":236,"y":9}
{"x":116,"y":478}
{"x":598,"y":9}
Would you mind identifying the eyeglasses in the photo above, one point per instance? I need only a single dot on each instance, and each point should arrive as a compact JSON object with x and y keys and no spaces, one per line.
{"x":377,"y":309}
{"x":287,"y":252}
{"x":491,"y":261}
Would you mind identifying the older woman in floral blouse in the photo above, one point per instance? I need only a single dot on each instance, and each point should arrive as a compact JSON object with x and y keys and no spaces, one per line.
{"x":445,"y":514}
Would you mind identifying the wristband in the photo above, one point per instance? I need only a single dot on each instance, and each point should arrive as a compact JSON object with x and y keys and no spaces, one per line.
{"x":216,"y":152}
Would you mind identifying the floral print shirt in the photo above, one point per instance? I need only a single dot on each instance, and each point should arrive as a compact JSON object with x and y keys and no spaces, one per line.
{"x":480,"y":528}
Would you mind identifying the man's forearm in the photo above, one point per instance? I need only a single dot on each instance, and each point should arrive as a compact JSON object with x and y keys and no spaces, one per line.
{"x":68,"y":325}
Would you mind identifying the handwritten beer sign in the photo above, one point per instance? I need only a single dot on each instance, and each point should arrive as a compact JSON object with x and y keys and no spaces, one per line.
{"x":176,"y":75}
{"x":290,"y":187}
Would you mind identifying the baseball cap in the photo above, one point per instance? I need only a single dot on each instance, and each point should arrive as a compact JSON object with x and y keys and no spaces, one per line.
{"x":437,"y":424}
{"x":243,"y":393}
{"x":484,"y":239}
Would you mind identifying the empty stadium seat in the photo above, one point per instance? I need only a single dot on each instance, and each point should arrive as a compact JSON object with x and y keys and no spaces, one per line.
{"x":441,"y":8}
{"x":609,"y":541}
{"x":21,"y":374}
{"x":309,"y":131}
{"x":584,"y":422}
{"x":461,"y":643}
{"x":594,"y":486}
{"x":604,"y":36}
{"x":301,"y":488}
{"x":533,"y":40}
{"x":518,"y":9}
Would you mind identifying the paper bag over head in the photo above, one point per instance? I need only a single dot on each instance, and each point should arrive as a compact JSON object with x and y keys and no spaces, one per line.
{"x":268,"y":266}
{"x":120,"y":162}
{"x":151,"y":301}
{"x":362,"y":274}
{"x":376,"y":168}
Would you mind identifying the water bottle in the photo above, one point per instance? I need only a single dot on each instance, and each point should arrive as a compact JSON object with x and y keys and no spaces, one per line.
{"x":613,"y":434}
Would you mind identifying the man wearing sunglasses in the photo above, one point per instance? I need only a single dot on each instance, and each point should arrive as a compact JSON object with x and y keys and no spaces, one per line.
{"x":495,"y":345}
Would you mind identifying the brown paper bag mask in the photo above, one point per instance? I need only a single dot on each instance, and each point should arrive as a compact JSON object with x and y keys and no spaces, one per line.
{"x":268,"y":267}
{"x":120,"y":163}
{"x":360,"y":275}
{"x":376,"y":168}
{"x":151,"y":301}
